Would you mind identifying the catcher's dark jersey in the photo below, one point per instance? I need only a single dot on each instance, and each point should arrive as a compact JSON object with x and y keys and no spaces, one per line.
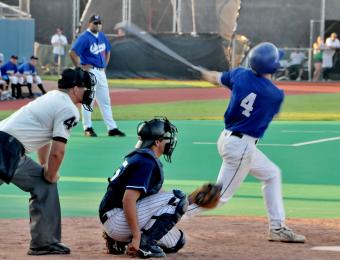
{"x":141,"y":171}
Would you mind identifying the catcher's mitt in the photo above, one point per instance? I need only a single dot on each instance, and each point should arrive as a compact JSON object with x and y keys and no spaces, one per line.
{"x":207,"y":196}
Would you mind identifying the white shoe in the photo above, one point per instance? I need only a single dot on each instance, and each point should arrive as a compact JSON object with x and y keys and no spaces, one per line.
{"x":285,"y":234}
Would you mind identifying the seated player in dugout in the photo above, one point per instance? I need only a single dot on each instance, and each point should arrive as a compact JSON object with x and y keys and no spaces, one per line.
{"x":28,"y":75}
{"x":138,"y":218}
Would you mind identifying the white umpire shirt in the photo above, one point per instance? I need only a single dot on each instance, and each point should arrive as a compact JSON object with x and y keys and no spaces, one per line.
{"x":38,"y":122}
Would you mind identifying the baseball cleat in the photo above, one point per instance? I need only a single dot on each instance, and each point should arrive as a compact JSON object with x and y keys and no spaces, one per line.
{"x":116,"y":132}
{"x":285,"y":234}
{"x":148,"y":251}
{"x":90,"y":132}
{"x":53,"y":249}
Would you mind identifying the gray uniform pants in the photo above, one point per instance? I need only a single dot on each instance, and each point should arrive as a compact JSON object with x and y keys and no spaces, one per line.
{"x":44,"y":206}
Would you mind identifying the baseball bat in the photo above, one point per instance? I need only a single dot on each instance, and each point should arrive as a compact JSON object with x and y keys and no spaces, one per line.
{"x":145,"y":36}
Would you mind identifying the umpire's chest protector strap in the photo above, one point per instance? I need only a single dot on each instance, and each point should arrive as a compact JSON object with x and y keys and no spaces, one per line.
{"x":11,"y":151}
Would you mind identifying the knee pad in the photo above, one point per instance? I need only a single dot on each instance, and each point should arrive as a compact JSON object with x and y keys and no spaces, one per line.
{"x":179,"y":245}
{"x":165,"y":222}
{"x":182,"y":204}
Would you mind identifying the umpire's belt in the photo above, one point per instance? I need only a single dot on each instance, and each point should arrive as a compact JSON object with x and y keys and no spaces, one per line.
{"x":247,"y":138}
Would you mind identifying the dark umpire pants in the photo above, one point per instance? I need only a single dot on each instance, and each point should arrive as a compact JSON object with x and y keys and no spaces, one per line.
{"x":44,"y":206}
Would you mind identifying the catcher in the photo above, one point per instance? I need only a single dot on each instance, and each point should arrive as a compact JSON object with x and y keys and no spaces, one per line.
{"x":138,"y":218}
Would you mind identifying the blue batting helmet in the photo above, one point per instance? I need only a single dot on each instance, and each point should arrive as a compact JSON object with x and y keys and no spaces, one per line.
{"x":264,"y":58}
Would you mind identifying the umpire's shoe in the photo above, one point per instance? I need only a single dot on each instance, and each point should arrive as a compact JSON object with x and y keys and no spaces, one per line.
{"x":147,"y":251}
{"x":116,"y":132}
{"x":53,"y":249}
{"x":90,"y":132}
{"x":285,"y":234}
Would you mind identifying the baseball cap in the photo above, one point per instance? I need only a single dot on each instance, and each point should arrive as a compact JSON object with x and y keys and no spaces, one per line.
{"x":14,"y":57}
{"x":95,"y":18}
{"x":34,"y":57}
{"x":68,"y":79}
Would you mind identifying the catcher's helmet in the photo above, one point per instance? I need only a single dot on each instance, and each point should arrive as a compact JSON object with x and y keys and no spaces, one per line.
{"x":264,"y":58}
{"x":157,"y":129}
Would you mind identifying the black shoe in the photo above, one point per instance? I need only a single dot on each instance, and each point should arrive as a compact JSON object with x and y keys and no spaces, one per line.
{"x":90,"y":132}
{"x":114,"y":247}
{"x":148,"y":251}
{"x":54,"y":249}
{"x":116,"y":132}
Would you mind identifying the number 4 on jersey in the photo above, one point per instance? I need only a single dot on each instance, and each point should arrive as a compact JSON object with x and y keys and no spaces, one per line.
{"x":69,"y":123}
{"x":247,"y":103}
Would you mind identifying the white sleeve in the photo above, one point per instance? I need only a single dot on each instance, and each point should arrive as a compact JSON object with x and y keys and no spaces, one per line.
{"x":53,"y":40}
{"x":64,"y":40}
{"x":218,"y":79}
{"x":65,"y":119}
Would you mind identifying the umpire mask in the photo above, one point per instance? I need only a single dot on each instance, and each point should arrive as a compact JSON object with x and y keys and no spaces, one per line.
{"x":81,"y":78}
{"x":157,"y":129}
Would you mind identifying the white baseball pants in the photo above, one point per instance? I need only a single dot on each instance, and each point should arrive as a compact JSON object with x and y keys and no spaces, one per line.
{"x":154,"y":205}
{"x":240,"y":156}
{"x":102,"y":96}
{"x":30,"y":79}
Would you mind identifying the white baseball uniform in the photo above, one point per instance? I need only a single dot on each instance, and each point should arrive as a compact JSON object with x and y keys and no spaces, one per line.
{"x":35,"y":124}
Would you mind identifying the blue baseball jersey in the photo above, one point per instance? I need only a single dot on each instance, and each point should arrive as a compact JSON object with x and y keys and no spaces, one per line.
{"x":8,"y":67}
{"x":141,"y":171}
{"x":254,"y":102}
{"x":27,"y":68}
{"x":91,"y":49}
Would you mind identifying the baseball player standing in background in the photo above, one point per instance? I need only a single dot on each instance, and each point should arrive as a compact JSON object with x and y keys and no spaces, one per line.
{"x":254,"y":101}
{"x":91,"y":51}
{"x":134,"y":212}
{"x":44,"y":125}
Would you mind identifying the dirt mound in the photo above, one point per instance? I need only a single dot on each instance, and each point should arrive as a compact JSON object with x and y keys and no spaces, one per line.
{"x":211,"y":237}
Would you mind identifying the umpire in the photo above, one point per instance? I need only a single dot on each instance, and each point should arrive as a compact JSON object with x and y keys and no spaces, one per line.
{"x":44,"y":125}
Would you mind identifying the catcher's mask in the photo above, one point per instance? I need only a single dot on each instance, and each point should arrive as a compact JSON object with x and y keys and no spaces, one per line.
{"x":81,"y":78}
{"x":157,"y":129}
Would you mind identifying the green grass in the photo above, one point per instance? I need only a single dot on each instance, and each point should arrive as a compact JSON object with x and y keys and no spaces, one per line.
{"x":316,"y":107}
{"x":148,"y":83}
{"x":310,"y":182}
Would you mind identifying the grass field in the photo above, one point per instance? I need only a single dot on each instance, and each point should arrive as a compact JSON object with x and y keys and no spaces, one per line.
{"x":148,"y":83}
{"x":296,"y":107}
{"x":310,"y":171}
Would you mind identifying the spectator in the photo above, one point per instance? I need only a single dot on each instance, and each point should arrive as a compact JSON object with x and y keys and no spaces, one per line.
{"x":9,"y":72}
{"x":59,"y":41}
{"x":297,"y":59}
{"x":28,"y":75}
{"x":331,"y":45}
{"x":317,"y":58}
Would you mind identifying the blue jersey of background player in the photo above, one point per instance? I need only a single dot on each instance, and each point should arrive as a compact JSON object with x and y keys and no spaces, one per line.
{"x":254,"y":101}
{"x":92,"y":49}
{"x":10,"y":67}
{"x":27,"y":68}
